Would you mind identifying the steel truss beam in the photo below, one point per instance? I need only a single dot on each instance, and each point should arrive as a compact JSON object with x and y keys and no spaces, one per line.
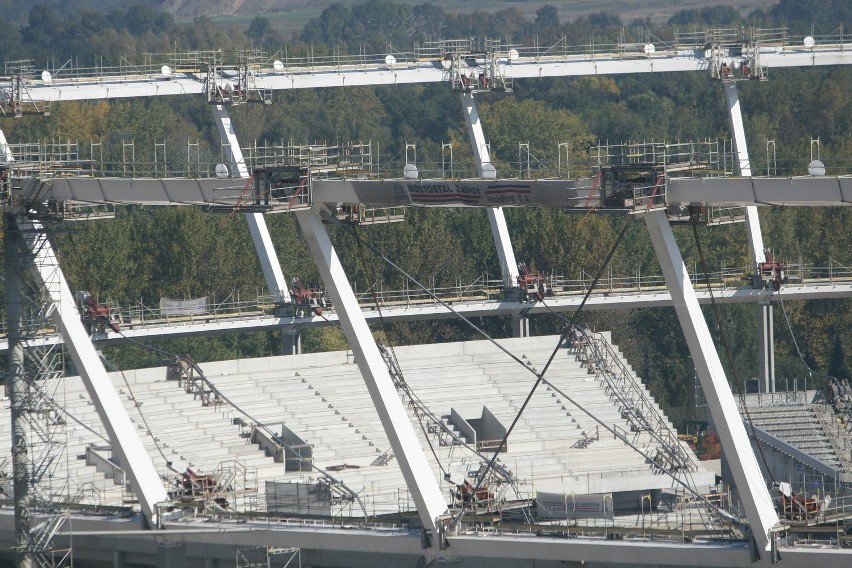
{"x":429,"y":71}
{"x":604,"y":300}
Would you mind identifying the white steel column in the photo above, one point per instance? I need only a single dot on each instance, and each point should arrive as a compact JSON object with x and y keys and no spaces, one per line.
{"x":766,"y":340}
{"x":748,"y":478}
{"x":407,"y":450}
{"x":766,"y":348}
{"x":755,"y":237}
{"x":5,"y":151}
{"x":144,"y":478}
{"x":257,"y":224}
{"x":496,"y":218}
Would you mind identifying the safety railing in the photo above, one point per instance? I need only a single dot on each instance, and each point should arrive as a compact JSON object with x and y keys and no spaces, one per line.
{"x":634,"y":403}
{"x":150,"y":66}
{"x":139,"y":313}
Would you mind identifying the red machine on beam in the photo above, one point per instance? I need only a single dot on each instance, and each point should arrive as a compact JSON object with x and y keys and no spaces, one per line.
{"x":770,"y":274}
{"x":311,"y":297}
{"x":533,"y":285}
{"x":95,"y":316}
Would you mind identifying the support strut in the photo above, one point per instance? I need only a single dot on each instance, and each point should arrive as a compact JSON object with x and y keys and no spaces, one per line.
{"x":766,"y":338}
{"x":123,"y":437}
{"x":748,"y":478}
{"x":257,"y":224}
{"x":499,"y":230}
{"x":406,"y":447}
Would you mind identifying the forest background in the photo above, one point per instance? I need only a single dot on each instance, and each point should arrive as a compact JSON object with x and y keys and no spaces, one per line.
{"x":146,"y":254}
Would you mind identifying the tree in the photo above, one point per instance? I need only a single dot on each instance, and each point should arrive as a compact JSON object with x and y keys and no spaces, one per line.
{"x":509,"y":121}
{"x":258,"y":29}
{"x":330,"y":27}
{"x":140,"y":19}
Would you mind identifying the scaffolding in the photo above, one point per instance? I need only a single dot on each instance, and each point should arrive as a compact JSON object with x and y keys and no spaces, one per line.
{"x":33,"y":364}
{"x":269,"y":557}
{"x":633,"y":401}
{"x":704,"y":157}
{"x":235,"y":86}
{"x":15,"y":99}
{"x":345,"y":159}
{"x":471,"y":66}
{"x":46,"y":159}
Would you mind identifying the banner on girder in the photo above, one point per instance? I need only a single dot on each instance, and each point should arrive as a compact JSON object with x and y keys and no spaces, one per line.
{"x":466,"y":192}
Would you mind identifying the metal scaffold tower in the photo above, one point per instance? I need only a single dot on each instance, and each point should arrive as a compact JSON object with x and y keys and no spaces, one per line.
{"x":16,"y":99}
{"x":36,"y":450}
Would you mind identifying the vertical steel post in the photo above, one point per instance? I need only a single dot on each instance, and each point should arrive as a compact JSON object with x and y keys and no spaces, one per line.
{"x":766,"y":346}
{"x":406,"y":447}
{"x":760,"y":511}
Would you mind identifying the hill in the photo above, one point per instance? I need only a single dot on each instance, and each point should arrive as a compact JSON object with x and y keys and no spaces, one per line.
{"x":294,"y":14}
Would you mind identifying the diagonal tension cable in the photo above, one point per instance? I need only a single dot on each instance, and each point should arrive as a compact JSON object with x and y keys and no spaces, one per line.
{"x":729,"y":353}
{"x":539,"y":375}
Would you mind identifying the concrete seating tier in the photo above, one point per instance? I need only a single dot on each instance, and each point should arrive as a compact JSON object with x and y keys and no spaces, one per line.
{"x":323,"y":400}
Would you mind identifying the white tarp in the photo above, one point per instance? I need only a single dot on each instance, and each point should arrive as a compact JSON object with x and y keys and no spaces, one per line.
{"x":191,"y":307}
{"x":561,"y":506}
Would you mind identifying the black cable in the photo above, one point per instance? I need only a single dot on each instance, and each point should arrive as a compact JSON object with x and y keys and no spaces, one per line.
{"x":540,"y":376}
{"x":64,"y":410}
{"x":387,"y":338}
{"x":627,"y":441}
{"x":444,"y":304}
{"x":369,"y":275}
{"x":139,"y":410}
{"x":728,"y":353}
{"x":796,"y":343}
{"x":259,"y":424}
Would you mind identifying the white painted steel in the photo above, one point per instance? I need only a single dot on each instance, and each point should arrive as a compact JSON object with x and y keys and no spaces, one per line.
{"x":753,"y":232}
{"x":256,"y":222}
{"x":760,"y":511}
{"x":800,"y":191}
{"x":804,"y":191}
{"x":425,"y":491}
{"x":603,"y":300}
{"x":123,"y":436}
{"x":478,"y":550}
{"x":5,"y":151}
{"x":430,"y":71}
{"x":766,"y":346}
{"x":496,"y":217}
{"x":268,"y":258}
{"x":228,"y":136}
{"x":755,"y":237}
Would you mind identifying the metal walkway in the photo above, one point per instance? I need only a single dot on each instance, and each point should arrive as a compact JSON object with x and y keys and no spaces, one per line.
{"x":479,"y":298}
{"x":232,"y":78}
